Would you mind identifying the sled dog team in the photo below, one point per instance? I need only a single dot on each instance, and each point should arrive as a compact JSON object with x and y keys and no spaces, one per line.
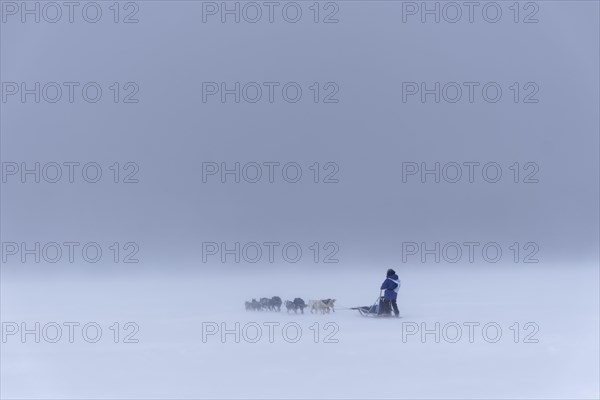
{"x":274,"y":304}
{"x":387,"y":301}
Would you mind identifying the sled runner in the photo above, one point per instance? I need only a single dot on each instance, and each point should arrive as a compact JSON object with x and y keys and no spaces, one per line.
{"x":373,"y":310}
{"x":368,"y":311}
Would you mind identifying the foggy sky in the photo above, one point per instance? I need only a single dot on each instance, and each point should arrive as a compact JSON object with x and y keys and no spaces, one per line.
{"x":369,"y":133}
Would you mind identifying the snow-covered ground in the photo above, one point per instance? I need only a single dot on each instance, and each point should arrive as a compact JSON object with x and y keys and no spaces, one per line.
{"x":178,"y":354}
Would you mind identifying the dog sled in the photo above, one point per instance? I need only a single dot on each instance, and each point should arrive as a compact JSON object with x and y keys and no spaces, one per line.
{"x":373,"y":310}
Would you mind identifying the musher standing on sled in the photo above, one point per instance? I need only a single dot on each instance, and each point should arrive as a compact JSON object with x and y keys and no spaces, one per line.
{"x":391,"y":285}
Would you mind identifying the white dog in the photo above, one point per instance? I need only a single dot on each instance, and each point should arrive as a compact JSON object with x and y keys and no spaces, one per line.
{"x":318,"y":305}
{"x":329,"y":303}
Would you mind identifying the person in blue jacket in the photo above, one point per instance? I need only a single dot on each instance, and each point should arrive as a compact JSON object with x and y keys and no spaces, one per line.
{"x":390,"y":285}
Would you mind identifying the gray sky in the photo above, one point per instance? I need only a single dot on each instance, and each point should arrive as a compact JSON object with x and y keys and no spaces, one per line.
{"x":363,"y":61}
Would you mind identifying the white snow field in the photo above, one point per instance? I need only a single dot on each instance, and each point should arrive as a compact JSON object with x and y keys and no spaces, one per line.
{"x":339,"y":355}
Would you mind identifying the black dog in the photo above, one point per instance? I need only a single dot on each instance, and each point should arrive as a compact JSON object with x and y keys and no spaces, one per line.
{"x":275,"y":303}
{"x":299,"y":304}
